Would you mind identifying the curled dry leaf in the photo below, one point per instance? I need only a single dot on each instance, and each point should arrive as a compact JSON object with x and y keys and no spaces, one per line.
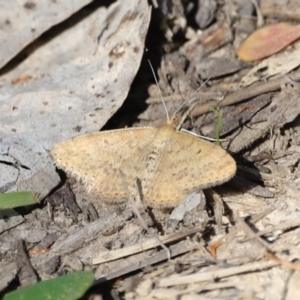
{"x":267,"y":41}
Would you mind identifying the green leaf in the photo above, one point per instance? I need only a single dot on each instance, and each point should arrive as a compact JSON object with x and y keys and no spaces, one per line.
{"x":68,"y":287}
{"x":16,"y":199}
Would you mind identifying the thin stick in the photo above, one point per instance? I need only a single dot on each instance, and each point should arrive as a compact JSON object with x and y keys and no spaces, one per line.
{"x":177,"y":249}
{"x":281,"y":226}
{"x":268,"y":247}
{"x":206,"y":96}
{"x":243,"y":94}
{"x":146,"y":245}
{"x":250,"y":233}
{"x":235,"y":230}
{"x":212,"y":275}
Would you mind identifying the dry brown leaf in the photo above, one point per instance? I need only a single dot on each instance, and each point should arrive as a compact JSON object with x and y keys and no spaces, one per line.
{"x":267,"y":41}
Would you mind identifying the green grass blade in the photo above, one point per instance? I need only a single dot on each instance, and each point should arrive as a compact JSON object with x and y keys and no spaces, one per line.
{"x":16,"y":199}
{"x":216,"y":110}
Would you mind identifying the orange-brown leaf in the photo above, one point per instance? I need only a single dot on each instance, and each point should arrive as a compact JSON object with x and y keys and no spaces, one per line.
{"x":267,"y":41}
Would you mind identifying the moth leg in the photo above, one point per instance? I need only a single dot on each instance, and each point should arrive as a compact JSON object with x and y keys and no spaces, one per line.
{"x":131,"y":198}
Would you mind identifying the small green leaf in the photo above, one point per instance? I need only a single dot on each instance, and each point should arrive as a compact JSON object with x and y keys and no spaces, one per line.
{"x":68,"y":287}
{"x":16,"y":199}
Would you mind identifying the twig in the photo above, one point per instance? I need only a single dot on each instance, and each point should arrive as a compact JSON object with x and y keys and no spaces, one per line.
{"x":146,"y":245}
{"x":244,"y":94}
{"x":234,"y":231}
{"x":283,"y":262}
{"x":212,"y":275}
{"x":269,"y":250}
{"x":249,"y":231}
{"x":177,"y":249}
{"x":283,"y":226}
{"x":203,"y":96}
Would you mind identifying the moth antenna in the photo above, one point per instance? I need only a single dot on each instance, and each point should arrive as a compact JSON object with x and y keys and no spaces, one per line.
{"x":189,"y":98}
{"x":160,"y":94}
{"x":203,"y":137}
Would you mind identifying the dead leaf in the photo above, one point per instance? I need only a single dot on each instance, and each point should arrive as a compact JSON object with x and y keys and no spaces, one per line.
{"x":279,"y":64}
{"x":22,"y":22}
{"x":80,"y":77}
{"x":267,"y":41}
